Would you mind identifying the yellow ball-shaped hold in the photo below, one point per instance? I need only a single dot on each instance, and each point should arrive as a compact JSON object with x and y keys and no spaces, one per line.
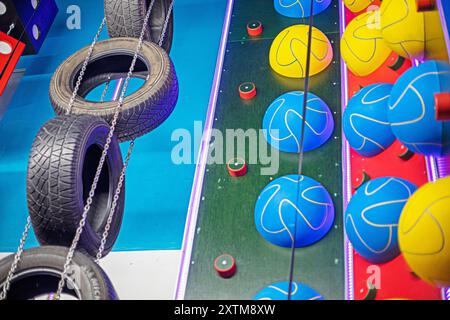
{"x":424,"y":232}
{"x":289,"y":50}
{"x":402,"y":27}
{"x":357,"y":5}
{"x":362,"y":47}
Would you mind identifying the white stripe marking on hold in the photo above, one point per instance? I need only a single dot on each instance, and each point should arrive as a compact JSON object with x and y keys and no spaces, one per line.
{"x":36,"y":32}
{"x":2,"y":8}
{"x":5,"y":48}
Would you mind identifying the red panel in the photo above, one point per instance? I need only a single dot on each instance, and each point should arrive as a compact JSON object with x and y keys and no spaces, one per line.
{"x":10,"y":52}
{"x":388,"y":163}
{"x":396,"y":280}
{"x":350,"y":15}
{"x":385,"y":73}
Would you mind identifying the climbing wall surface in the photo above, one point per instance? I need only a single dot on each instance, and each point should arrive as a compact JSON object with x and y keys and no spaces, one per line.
{"x":226,"y":216}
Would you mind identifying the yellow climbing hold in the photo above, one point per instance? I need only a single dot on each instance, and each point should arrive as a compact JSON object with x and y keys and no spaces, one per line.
{"x":357,"y":5}
{"x":289,"y":51}
{"x":424,"y":232}
{"x":402,"y":27}
{"x":362,"y":46}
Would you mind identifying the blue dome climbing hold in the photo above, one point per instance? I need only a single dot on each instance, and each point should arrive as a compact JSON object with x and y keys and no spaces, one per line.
{"x":280,"y":291}
{"x":365,"y":120}
{"x":290,"y":198}
{"x":412,"y":109}
{"x":300,"y":8}
{"x":372,"y":217}
{"x":282,"y":122}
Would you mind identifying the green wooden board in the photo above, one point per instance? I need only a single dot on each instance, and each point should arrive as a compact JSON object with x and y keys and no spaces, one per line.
{"x":226,"y":216}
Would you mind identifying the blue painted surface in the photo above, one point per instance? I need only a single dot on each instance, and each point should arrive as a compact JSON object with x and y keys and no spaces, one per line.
{"x":446,"y":8}
{"x":158,"y":191}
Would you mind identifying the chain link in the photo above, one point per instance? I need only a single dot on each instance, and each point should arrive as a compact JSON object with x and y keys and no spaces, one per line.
{"x":88,"y":204}
{"x":11,"y":28}
{"x":114,"y":204}
{"x":16,"y":260}
{"x":103,"y":156}
{"x":84,"y":66}
{"x":166,"y":23}
{"x":105,"y":90}
{"x":19,"y":252}
{"x":130,"y":149}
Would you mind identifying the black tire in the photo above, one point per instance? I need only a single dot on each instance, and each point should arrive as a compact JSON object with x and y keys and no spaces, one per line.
{"x":124,"y":18}
{"x":39,"y":271}
{"x":143,"y":110}
{"x":61,"y":167}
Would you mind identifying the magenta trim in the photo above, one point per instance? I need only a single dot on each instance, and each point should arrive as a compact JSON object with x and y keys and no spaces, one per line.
{"x":439,"y":167}
{"x":194,"y":202}
{"x":346,"y":174}
{"x":430,"y":161}
{"x":443,"y":164}
{"x":432,"y":169}
{"x":118,"y":89}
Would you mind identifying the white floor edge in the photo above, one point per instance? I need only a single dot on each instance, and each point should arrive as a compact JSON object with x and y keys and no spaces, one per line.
{"x":142,"y":275}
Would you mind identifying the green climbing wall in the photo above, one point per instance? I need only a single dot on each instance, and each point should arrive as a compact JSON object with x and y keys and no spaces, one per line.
{"x":225,"y":222}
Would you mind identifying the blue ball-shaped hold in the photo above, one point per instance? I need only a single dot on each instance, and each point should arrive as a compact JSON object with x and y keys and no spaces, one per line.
{"x":365,"y":121}
{"x":280,"y":291}
{"x":278,"y":206}
{"x":300,"y":8}
{"x":282,"y":122}
{"x":412,"y":109}
{"x":372,"y":217}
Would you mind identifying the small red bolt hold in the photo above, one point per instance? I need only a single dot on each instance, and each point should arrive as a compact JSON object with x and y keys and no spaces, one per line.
{"x":425,"y":5}
{"x":442,"y":106}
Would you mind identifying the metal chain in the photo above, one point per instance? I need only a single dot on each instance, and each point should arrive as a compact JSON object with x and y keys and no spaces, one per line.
{"x":19,"y":252}
{"x":17,"y":257}
{"x":130,"y":149}
{"x":101,"y":162}
{"x":114,"y":204}
{"x":103,"y":157}
{"x":166,"y":23}
{"x":105,"y":90}
{"x":83,"y":68}
{"x":11,"y":28}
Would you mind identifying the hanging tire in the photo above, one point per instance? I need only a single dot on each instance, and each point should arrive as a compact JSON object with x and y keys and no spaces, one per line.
{"x":144,"y":109}
{"x":39,"y":271}
{"x":124,"y":18}
{"x":61,"y":168}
